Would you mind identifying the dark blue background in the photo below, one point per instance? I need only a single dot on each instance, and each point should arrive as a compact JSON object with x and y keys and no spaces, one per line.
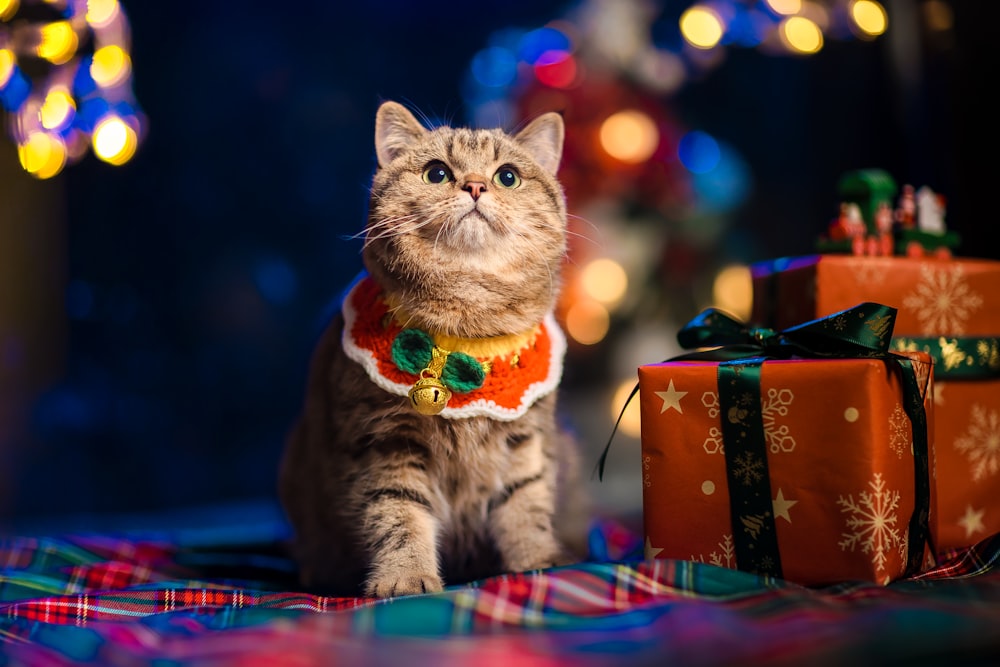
{"x":196,"y":277}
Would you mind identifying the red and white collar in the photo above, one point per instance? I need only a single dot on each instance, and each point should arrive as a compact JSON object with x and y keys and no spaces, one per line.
{"x":517,"y":378}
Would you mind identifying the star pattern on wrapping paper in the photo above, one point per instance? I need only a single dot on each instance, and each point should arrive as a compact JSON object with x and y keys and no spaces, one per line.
{"x":649,"y":551}
{"x":671,"y":398}
{"x":781,"y":505}
{"x":972,"y":521}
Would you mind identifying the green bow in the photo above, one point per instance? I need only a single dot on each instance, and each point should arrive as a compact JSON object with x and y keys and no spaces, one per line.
{"x":862,"y":331}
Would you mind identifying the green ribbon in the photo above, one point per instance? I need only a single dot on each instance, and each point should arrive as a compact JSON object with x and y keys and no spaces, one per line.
{"x":864,"y":331}
{"x":956,"y":358}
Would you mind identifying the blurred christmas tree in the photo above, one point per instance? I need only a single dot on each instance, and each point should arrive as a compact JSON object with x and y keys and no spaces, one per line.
{"x":653,"y":197}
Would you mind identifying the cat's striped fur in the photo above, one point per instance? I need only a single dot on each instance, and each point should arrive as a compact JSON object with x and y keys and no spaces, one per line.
{"x":385,"y":501}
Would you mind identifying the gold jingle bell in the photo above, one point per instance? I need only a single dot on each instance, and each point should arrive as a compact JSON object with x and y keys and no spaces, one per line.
{"x":429,"y":396}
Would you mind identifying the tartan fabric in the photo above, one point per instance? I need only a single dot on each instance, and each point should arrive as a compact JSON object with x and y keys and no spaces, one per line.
{"x":136,"y":601}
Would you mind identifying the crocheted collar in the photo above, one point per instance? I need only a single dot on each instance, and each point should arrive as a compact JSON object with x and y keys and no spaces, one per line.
{"x":498,"y":377}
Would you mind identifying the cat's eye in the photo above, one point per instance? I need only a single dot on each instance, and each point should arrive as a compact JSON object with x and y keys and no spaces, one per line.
{"x":507,"y":177}
{"x":436,"y":173}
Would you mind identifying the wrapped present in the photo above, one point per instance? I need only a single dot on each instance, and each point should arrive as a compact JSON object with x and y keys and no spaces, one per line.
{"x":949,"y":308}
{"x":803,"y":454}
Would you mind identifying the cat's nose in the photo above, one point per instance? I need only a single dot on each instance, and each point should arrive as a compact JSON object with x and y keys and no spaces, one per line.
{"x":474,"y":188}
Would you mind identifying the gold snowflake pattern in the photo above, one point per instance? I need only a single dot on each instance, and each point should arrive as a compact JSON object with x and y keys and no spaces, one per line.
{"x":943,"y":301}
{"x":871,"y":522}
{"x":776,"y":405}
{"x":713,"y":443}
{"x":724,"y":557}
{"x":773,"y":406}
{"x":867,"y":271}
{"x":748,"y":469}
{"x":981,"y":442}
{"x":899,"y":432}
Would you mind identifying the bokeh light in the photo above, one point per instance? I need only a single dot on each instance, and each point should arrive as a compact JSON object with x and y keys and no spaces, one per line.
{"x":110,"y":66}
{"x":538,"y":42}
{"x":114,"y":141}
{"x":732,"y":291}
{"x":42,"y":155}
{"x":605,"y":281}
{"x":938,"y":15}
{"x":58,"y":109}
{"x":6,"y":66}
{"x":870,"y":17}
{"x":801,"y":35}
{"x":494,"y":66}
{"x":101,"y":13}
{"x":58,"y":42}
{"x":587,"y":321}
{"x":556,"y":69}
{"x":8,"y":8}
{"x":785,"y":7}
{"x":701,"y":26}
{"x":630,"y":423}
{"x":698,"y":151}
{"x":630,"y":136}
{"x":87,"y":77}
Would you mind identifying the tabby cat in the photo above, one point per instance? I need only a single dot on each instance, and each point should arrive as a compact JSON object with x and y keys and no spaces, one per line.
{"x":428,"y":450}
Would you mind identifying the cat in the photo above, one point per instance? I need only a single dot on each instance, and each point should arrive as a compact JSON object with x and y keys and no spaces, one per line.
{"x":428,"y":451}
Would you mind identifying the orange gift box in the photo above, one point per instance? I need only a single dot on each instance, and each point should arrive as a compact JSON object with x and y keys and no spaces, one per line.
{"x":949,"y":307}
{"x":839,"y":460}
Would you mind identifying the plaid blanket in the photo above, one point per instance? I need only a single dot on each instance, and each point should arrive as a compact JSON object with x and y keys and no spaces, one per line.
{"x":142,"y":600}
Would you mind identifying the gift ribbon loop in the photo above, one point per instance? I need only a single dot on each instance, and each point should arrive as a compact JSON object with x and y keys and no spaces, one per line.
{"x":862,"y":331}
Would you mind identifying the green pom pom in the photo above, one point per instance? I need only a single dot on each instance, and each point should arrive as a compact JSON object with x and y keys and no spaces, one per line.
{"x":462,"y":373}
{"x":411,"y":350}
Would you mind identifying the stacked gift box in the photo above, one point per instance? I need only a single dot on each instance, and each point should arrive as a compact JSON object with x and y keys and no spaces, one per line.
{"x":836,"y":434}
{"x":948,"y":306}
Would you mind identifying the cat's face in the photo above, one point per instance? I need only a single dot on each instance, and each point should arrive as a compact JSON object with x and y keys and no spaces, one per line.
{"x":457,"y":213}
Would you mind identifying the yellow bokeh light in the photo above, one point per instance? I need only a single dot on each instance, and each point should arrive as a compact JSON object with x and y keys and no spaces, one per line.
{"x":785,"y":7}
{"x":8,"y":8}
{"x":802,"y":35}
{"x":101,"y":12}
{"x":605,"y":281}
{"x":6,"y":66}
{"x":732,"y":291}
{"x":630,"y":424}
{"x":110,"y":66}
{"x":57,"y":109}
{"x":42,"y":155}
{"x":701,"y":27}
{"x":58,"y":43}
{"x":114,"y":141}
{"x":870,"y":17}
{"x":587,"y":322}
{"x":630,"y":136}
{"x":938,"y":15}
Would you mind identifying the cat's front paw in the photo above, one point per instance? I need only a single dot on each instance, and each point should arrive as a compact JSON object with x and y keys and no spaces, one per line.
{"x":411,"y":584}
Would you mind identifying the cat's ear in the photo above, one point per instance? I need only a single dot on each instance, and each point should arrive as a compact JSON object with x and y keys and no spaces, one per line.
{"x":543,"y":138}
{"x":395,"y":130}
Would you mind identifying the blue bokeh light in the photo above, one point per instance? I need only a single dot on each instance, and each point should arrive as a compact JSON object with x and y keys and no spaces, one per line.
{"x":494,"y":67}
{"x":698,"y":152}
{"x":725,"y":186}
{"x":15,"y":91}
{"x":537,"y":42}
